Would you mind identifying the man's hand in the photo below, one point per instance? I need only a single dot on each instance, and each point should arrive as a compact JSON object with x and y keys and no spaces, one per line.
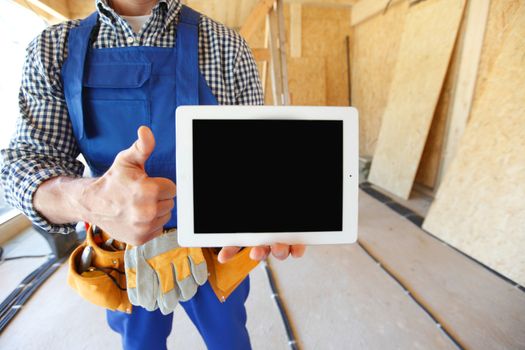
{"x":278,"y":250}
{"x":126,"y":202}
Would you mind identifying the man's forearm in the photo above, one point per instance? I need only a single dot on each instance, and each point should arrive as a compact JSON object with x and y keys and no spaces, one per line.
{"x":60,"y":199}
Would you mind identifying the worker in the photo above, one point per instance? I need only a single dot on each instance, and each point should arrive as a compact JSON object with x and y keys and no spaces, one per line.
{"x":107,"y":87}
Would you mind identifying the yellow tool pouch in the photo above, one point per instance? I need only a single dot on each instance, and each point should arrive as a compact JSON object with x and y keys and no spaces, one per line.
{"x":224,"y":278}
{"x":104,"y":283}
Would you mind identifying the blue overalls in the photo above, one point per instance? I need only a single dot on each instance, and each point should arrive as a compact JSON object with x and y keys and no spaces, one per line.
{"x":110,"y":93}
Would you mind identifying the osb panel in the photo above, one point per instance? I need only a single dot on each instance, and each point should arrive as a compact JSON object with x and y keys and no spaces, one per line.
{"x":320,"y":76}
{"x":424,"y":54}
{"x":374,"y":49}
{"x":502,"y":15}
{"x":324,"y":32}
{"x":431,"y":157}
{"x":307,"y":81}
{"x":337,"y":80}
{"x":480,"y":206}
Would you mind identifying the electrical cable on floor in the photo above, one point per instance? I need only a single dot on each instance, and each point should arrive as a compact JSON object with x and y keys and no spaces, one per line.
{"x":19,"y":257}
{"x":413,"y":297}
{"x":292,"y":342}
{"x":29,"y":285}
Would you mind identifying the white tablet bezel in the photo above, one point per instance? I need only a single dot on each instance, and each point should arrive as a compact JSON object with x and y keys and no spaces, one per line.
{"x":184,"y":153}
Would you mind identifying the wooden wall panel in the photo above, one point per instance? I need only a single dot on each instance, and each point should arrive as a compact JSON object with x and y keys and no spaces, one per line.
{"x":375,"y":45}
{"x":480,"y":206}
{"x":427,"y":172}
{"x":502,"y":15}
{"x":424,"y":54}
{"x":324,"y":32}
{"x":307,"y":81}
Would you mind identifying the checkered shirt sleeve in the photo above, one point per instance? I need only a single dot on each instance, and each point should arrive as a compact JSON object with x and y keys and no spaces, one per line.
{"x":44,"y":147}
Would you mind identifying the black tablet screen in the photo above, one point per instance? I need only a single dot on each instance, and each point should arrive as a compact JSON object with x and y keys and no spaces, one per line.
{"x":267,"y":175}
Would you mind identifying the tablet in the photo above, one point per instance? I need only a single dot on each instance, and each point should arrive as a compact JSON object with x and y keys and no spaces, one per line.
{"x":257,"y":175}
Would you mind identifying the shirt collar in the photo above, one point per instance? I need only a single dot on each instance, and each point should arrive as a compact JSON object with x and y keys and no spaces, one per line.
{"x":167,"y":10}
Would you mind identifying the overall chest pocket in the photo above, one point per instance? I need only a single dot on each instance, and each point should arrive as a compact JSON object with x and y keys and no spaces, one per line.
{"x":116,"y":104}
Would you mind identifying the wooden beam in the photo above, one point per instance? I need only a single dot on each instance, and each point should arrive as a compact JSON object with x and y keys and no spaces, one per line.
{"x":39,"y":12}
{"x":52,"y":12}
{"x":275,"y":61}
{"x":255,"y":17}
{"x":282,"y":50}
{"x":295,"y":30}
{"x":476,"y":22}
{"x":56,"y":8}
{"x":266,"y":63}
{"x":364,"y":9}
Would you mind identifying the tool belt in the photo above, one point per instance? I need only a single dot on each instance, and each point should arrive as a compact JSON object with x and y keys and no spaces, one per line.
{"x":225,"y":278}
{"x":103,"y":282}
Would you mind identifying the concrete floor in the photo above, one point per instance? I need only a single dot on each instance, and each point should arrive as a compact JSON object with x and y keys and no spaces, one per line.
{"x":338,"y":297}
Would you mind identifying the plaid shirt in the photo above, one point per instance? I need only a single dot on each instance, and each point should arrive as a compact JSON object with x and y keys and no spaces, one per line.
{"x":44,"y":146}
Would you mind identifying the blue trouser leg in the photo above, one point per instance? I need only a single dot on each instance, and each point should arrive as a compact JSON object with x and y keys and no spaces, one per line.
{"x":141,"y":329}
{"x":221,"y":325}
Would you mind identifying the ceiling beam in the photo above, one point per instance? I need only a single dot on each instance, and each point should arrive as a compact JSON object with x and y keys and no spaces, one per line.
{"x":256,"y":16}
{"x":45,"y":9}
{"x":56,"y":8}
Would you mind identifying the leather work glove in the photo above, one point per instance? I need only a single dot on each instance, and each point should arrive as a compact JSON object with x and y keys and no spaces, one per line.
{"x":159,"y":273}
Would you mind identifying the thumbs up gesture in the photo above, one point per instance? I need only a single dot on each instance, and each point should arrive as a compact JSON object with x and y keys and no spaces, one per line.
{"x":126,"y":201}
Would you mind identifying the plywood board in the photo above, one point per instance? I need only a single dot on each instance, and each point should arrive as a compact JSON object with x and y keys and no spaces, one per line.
{"x":480,"y":309}
{"x":480,"y":206}
{"x":337,"y":297}
{"x":375,"y":45}
{"x":424,"y":54}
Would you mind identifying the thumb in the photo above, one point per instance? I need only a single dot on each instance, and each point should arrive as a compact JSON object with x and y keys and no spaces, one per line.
{"x":141,"y":149}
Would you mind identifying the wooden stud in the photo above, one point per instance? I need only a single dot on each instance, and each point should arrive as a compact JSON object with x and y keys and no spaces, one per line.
{"x":282,"y":50}
{"x":295,"y":30}
{"x":275,"y":61}
{"x":266,"y":63}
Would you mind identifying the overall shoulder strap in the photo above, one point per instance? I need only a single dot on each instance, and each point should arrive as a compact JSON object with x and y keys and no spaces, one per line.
{"x":187,"y":70}
{"x":73,"y":71}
